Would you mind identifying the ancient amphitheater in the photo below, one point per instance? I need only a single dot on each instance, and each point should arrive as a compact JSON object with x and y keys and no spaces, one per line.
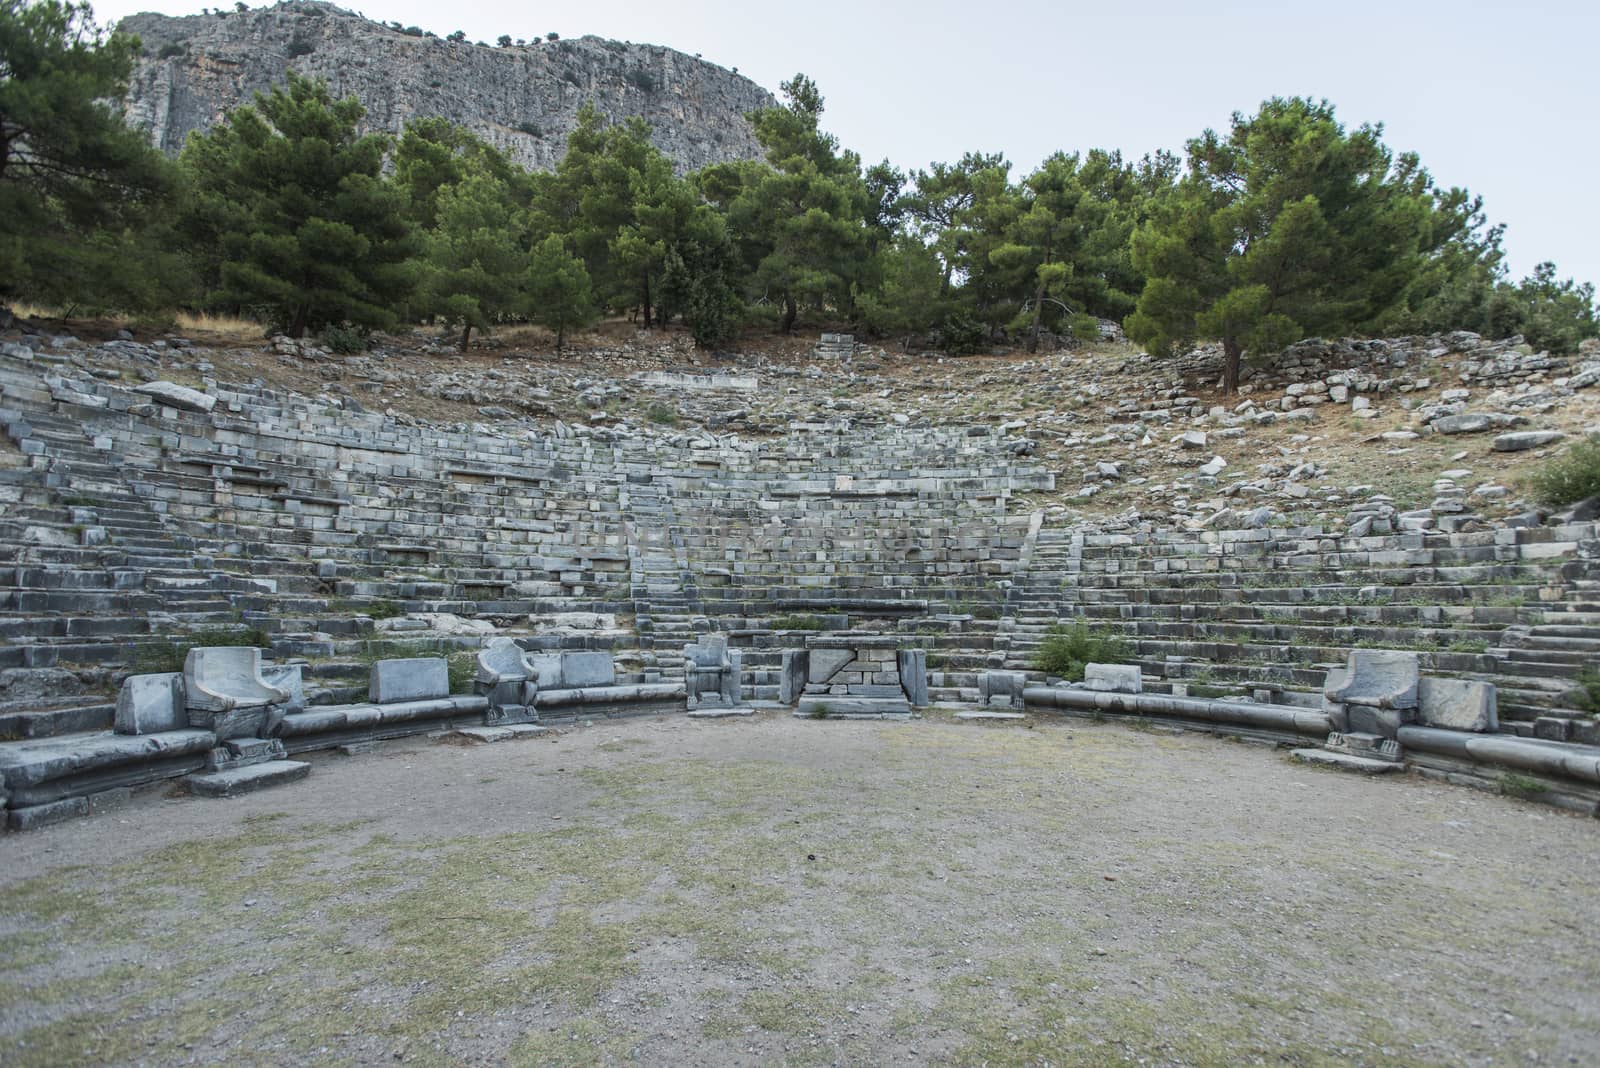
{"x":655,"y":623}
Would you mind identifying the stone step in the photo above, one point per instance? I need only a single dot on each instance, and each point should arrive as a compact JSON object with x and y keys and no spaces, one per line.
{"x":1346,"y":762}
{"x":235,"y":781}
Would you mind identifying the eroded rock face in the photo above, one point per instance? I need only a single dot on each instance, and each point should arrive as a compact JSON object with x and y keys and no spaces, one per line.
{"x":524,"y":100}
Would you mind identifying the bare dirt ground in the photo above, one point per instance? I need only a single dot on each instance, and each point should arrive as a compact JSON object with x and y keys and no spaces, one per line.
{"x":774,"y":891}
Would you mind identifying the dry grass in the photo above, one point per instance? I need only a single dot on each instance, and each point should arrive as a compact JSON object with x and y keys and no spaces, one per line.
{"x":229,"y":326}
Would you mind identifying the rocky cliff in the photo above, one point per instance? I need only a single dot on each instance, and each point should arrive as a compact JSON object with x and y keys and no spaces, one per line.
{"x":524,"y":99}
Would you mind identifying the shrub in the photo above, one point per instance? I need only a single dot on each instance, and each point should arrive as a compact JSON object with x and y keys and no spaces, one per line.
{"x":1514,"y":785}
{"x":1066,"y":649}
{"x":169,"y":655}
{"x":641,"y":80}
{"x":665,"y":414}
{"x":1572,"y":477}
{"x":962,"y":335}
{"x":172,"y":49}
{"x":300,"y":46}
{"x":463,"y":670}
{"x":346,"y":340}
{"x":532,"y":129}
{"x":1588,"y":692}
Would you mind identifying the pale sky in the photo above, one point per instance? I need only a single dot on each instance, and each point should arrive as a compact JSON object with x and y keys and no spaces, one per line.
{"x":1503,"y":99}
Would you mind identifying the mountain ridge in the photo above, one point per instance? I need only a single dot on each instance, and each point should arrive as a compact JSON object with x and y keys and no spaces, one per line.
{"x":522,"y":99}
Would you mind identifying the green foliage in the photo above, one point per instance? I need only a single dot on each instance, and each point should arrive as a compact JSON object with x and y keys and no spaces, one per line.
{"x":1525,"y":787}
{"x":559,"y":292}
{"x":463,"y":669}
{"x":662,"y":414}
{"x":1553,"y":314}
{"x":344,"y":339}
{"x":1588,"y":690}
{"x":1067,"y":648}
{"x":82,"y":196}
{"x":293,"y":206}
{"x":475,"y":257}
{"x":168,"y":655}
{"x":1288,"y":226}
{"x":1571,"y":477}
{"x":799,"y":222}
{"x":962,"y":335}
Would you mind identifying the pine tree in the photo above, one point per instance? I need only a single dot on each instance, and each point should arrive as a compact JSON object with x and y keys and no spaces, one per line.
{"x":475,"y":256}
{"x":301,"y":220}
{"x":78,"y":188}
{"x":1289,"y":226}
{"x":559,"y":292}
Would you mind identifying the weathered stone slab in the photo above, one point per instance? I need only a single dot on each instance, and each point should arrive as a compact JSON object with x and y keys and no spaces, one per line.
{"x":149,"y":704}
{"x":1521,"y":440}
{"x":1345,"y":762}
{"x":581,"y":670}
{"x":1113,"y":678}
{"x":999,"y":717}
{"x":913,"y":668}
{"x":1458,"y":704}
{"x":422,"y":678}
{"x":235,"y":781}
{"x":25,"y":764}
{"x":826,"y":663}
{"x":1466,"y":423}
{"x":829,"y":707}
{"x":26,"y":819}
{"x":176,"y":396}
{"x":289,"y":679}
{"x":792,"y":678}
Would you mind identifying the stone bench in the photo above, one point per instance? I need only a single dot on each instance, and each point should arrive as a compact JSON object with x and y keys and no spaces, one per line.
{"x":576,"y":683}
{"x":54,"y":778}
{"x":407,"y":696}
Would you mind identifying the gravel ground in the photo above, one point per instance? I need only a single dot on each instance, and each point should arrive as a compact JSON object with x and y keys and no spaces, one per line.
{"x":779,"y":891}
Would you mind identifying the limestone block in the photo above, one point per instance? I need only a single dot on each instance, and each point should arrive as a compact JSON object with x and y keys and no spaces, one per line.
{"x":1458,"y":705}
{"x":913,"y":665}
{"x":825,"y":663}
{"x":792,"y":679}
{"x":1113,"y":678}
{"x":1520,"y":440}
{"x":289,"y":679}
{"x":176,"y":396}
{"x":579,"y":670}
{"x":416,"y":679}
{"x":547,"y":669}
{"x":148,"y":704}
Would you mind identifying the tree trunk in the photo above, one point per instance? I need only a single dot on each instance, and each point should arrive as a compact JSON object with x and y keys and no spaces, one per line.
{"x":647,"y":319}
{"x":790,"y":312}
{"x":297,"y":324}
{"x":1231,"y":351}
{"x":1038,"y":311}
{"x":466,"y":335}
{"x":561,"y":333}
